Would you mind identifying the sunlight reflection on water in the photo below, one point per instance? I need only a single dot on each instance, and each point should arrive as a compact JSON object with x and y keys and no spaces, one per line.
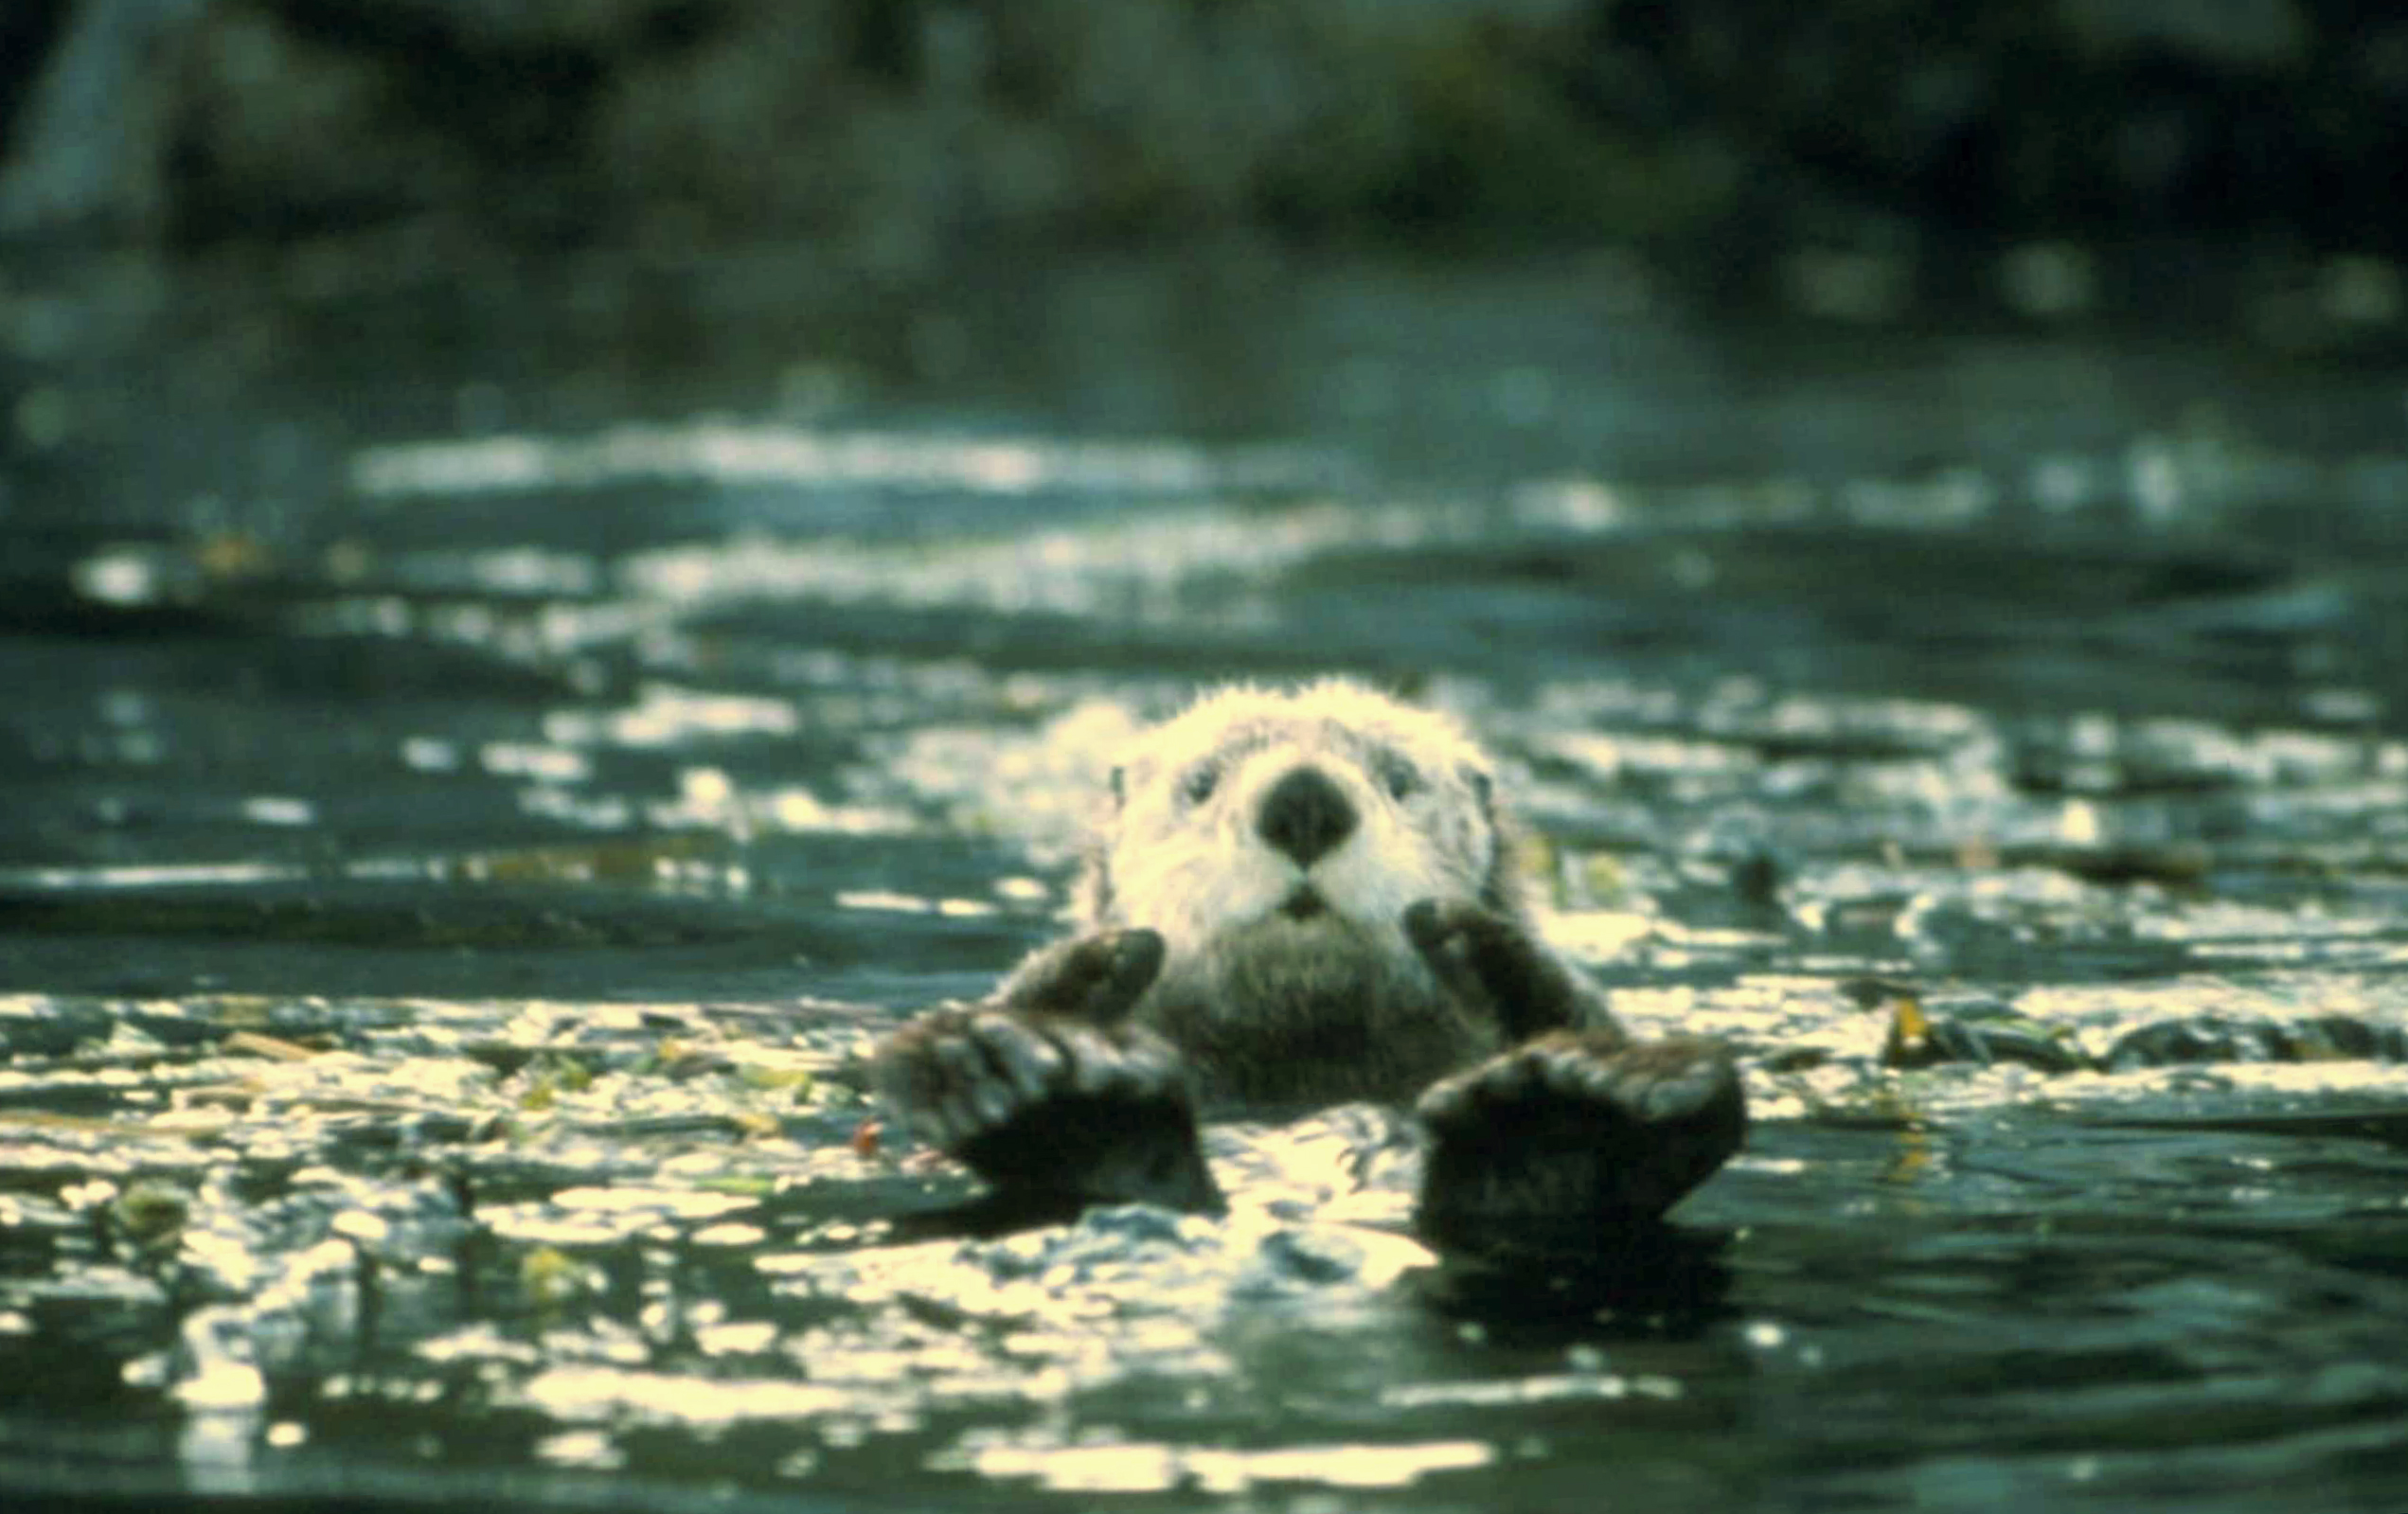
{"x":462,"y":909}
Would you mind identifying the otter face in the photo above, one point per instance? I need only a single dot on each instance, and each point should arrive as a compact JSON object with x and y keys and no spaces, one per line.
{"x":1297,"y":818}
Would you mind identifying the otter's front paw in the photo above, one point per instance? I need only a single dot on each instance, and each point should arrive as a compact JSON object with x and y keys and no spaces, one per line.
{"x":1492,"y":962}
{"x":1551,"y":1147}
{"x":1097,"y":978}
{"x":1049,"y":1105}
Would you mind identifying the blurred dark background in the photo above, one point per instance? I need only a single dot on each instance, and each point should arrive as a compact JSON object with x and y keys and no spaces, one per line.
{"x":1861,"y":159}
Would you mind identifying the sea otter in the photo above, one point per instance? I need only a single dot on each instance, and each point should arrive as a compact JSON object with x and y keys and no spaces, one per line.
{"x":1298,"y":899}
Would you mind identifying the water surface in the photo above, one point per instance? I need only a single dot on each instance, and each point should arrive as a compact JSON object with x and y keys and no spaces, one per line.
{"x":481,"y":769}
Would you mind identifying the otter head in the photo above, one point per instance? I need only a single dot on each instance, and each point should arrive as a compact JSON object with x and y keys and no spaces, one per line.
{"x":1274,"y":840}
{"x":1331,"y":806}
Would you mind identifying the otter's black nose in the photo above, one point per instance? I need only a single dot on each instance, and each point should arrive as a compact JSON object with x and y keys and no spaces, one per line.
{"x":1304,"y":815}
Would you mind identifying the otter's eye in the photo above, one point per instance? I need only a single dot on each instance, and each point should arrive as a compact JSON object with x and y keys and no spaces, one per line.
{"x":1396,"y":774}
{"x":1198,"y":785}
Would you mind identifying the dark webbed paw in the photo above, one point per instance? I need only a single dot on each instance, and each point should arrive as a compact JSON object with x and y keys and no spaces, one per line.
{"x":1492,"y":963}
{"x":1551,"y":1147}
{"x":1097,"y":978}
{"x":1040,"y":1101}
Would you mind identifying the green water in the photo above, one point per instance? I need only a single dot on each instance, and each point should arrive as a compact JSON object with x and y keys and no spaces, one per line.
{"x":481,"y":765}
